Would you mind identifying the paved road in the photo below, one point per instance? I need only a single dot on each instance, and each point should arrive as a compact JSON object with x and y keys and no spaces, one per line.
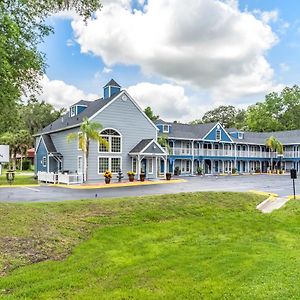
{"x":281,"y":185}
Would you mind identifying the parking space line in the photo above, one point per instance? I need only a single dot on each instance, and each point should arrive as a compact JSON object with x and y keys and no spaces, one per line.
{"x":29,"y":188}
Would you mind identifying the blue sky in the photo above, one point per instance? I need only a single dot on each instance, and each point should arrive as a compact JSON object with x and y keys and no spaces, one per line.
{"x":181,"y":61}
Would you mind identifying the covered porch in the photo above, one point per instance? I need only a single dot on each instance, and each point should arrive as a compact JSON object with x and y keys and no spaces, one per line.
{"x":149,"y":158}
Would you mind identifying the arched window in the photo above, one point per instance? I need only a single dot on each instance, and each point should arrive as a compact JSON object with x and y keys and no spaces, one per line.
{"x":114,"y":140}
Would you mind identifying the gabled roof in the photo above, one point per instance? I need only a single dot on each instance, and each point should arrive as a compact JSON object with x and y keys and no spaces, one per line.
{"x":140,"y":146}
{"x":188,"y":131}
{"x":147,"y":146}
{"x":112,"y":83}
{"x":67,"y":121}
{"x":49,"y":143}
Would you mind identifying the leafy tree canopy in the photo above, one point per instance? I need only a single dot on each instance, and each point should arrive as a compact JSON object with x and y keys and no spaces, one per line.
{"x":150,"y":114}
{"x":22,"y":28}
{"x":279,"y":111}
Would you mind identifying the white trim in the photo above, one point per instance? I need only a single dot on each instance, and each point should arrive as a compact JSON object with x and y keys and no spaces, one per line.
{"x":157,"y":144}
{"x":109,"y":163}
{"x":121,"y":143}
{"x":132,"y":158}
{"x":117,"y":97}
{"x":166,"y":131}
{"x":218,"y":124}
{"x":80,"y":156}
{"x":148,"y":164}
{"x":44,"y":161}
{"x":79,"y":132}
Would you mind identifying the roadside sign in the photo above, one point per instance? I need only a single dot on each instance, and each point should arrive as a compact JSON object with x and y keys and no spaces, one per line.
{"x":4,"y":153}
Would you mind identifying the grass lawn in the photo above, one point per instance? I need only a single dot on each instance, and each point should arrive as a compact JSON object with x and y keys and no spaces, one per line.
{"x":20,"y":178}
{"x":183,"y":246}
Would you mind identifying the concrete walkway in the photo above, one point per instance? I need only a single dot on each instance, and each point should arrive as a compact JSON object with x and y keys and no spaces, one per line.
{"x":272,"y":203}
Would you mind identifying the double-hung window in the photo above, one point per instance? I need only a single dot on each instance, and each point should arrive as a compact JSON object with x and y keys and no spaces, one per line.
{"x":218,"y":135}
{"x":112,"y":164}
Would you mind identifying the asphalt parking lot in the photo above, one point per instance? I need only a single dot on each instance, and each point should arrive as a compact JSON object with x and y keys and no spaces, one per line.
{"x":281,"y":185}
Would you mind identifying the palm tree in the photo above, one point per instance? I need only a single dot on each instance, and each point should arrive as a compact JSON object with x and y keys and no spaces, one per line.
{"x":275,"y":146}
{"x":88,"y":131}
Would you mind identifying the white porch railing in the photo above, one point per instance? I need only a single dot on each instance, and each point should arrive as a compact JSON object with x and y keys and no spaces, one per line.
{"x":230,"y":153}
{"x":50,"y":177}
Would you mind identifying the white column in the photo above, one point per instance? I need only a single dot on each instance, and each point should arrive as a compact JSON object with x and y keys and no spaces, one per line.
{"x":138,"y":166}
{"x":156,"y":170}
{"x":192,"y":167}
{"x":165,"y":168}
{"x":223,"y":166}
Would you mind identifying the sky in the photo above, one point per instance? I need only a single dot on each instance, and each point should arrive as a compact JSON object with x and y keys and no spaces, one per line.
{"x":182,"y":58}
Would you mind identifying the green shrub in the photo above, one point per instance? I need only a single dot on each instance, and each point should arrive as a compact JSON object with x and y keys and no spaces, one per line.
{"x":26,"y":164}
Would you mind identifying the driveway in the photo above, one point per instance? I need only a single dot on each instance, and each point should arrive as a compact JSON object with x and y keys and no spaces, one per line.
{"x":281,"y":185}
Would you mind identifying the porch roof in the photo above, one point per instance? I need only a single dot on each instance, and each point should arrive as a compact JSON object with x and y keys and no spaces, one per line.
{"x":148,"y":147}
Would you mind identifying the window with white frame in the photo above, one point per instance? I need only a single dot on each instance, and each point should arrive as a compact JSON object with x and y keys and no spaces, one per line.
{"x":150,"y":165}
{"x":79,"y":140}
{"x":103,"y":164}
{"x":115,"y":164}
{"x":165,"y":128}
{"x":218,"y":135}
{"x":113,"y":139}
{"x":44,"y":161}
{"x":112,"y":164}
{"x":73,"y":111}
{"x":134,"y":165}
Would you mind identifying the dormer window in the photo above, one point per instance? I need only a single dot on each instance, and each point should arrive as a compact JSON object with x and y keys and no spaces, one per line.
{"x":166,"y":128}
{"x":218,"y":135}
{"x":72,"y":111}
{"x":240,"y":135}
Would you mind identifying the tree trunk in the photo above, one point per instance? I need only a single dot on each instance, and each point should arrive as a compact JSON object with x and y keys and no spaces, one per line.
{"x":87,"y":160}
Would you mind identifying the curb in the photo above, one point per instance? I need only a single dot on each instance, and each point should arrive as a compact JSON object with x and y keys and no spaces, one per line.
{"x":116,"y":185}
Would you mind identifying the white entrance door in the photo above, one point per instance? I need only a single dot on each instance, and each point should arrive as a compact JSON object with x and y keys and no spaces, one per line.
{"x":79,"y":165}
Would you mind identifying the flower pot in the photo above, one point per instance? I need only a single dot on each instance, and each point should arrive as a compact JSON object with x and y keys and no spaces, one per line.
{"x":131,"y":178}
{"x":142,"y":177}
{"x":107,"y":180}
{"x":168,"y":176}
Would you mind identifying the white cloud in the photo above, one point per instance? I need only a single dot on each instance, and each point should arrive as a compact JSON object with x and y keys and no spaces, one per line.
{"x":167,"y":100}
{"x":284,"y":67}
{"x":209,"y":44}
{"x":70,"y":43}
{"x":61,"y":94}
{"x":106,"y":70}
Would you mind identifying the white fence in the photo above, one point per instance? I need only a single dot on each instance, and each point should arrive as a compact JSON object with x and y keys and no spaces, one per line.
{"x":60,"y":178}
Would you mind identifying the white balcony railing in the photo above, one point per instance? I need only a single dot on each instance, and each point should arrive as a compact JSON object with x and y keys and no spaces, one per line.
{"x":230,"y":153}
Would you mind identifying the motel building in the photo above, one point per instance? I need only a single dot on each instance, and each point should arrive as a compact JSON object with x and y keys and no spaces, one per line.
{"x":133,"y":144}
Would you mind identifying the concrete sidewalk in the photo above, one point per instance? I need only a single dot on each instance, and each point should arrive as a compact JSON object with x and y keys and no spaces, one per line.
{"x":272,"y":203}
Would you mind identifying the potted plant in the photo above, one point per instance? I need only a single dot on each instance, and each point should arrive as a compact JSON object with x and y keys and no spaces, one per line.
{"x":257,"y":170}
{"x":131,"y":176}
{"x":168,"y":176}
{"x":233,"y":171}
{"x":199,"y":171}
{"x":176,"y":171}
{"x":142,"y":177}
{"x":107,"y":176}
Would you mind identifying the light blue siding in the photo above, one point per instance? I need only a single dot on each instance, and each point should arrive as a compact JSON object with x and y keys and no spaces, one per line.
{"x":40,"y":153}
{"x":126,"y":118}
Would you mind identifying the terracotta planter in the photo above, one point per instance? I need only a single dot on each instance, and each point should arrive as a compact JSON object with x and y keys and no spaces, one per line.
{"x":107,"y":180}
{"x":168,"y":176}
{"x":131,"y":178}
{"x":142,"y":177}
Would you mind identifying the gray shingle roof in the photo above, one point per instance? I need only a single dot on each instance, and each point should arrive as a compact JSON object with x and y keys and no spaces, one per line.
{"x":140,"y":146}
{"x":49,"y":143}
{"x":67,"y":121}
{"x":112,"y":83}
{"x":285,"y":137}
{"x":188,"y":131}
